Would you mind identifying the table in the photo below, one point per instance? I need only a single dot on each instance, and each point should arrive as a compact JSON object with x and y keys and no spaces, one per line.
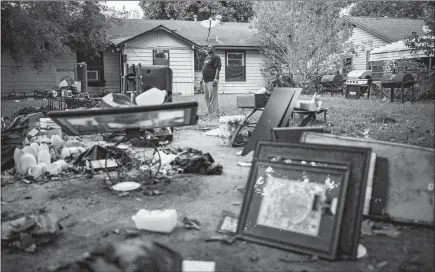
{"x":311,"y":115}
{"x":245,"y":123}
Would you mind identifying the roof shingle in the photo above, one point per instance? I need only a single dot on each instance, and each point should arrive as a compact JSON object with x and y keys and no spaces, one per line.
{"x":389,"y":29}
{"x":226,"y":34}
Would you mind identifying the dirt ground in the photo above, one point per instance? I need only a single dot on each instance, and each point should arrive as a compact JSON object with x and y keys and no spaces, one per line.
{"x":88,"y":222}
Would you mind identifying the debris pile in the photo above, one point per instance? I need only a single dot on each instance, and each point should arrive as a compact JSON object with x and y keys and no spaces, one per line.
{"x":192,"y":161}
{"x":227,"y":127}
{"x":133,"y":254}
{"x":29,"y":231}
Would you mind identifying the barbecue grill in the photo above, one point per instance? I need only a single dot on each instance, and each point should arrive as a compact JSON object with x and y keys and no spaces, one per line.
{"x":357,"y":83}
{"x":400,"y":80}
{"x":331,"y":83}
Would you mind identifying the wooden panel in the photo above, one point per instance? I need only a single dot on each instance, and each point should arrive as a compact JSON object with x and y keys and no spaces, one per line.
{"x":112,"y":71}
{"x":410,"y":176}
{"x":271,"y":117}
{"x":360,"y":36}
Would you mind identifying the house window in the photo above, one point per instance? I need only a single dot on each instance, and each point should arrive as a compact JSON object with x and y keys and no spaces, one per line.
{"x":235,"y":68}
{"x":95,"y":68}
{"x":161,"y":57}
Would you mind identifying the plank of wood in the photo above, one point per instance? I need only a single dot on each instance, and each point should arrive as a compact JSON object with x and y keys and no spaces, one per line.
{"x":273,"y":115}
{"x":293,"y":102}
{"x":410,"y":177}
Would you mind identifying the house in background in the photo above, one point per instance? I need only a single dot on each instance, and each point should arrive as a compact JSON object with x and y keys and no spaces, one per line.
{"x":178,"y":43}
{"x":369,"y":33}
{"x":153,"y":42}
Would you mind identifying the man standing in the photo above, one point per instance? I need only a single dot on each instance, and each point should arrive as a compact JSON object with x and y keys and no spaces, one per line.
{"x":210,"y":78}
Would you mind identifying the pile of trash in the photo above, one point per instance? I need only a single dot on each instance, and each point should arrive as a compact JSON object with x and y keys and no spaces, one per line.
{"x":133,"y":254}
{"x":30,"y":231}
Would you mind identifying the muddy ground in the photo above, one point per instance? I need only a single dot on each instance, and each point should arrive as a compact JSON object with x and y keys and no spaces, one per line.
{"x":91,"y":214}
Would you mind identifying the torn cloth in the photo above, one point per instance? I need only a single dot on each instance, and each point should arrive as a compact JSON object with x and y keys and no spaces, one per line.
{"x":194,"y":161}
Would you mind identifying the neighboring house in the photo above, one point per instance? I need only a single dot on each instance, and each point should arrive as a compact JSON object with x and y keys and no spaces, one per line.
{"x":369,"y":33}
{"x":155,"y":42}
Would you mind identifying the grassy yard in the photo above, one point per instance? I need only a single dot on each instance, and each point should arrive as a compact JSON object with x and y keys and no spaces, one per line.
{"x":415,"y":122}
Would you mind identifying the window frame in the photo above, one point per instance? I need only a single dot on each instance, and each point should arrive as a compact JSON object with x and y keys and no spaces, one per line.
{"x":167,"y":52}
{"x":243,"y":52}
{"x":97,"y":73}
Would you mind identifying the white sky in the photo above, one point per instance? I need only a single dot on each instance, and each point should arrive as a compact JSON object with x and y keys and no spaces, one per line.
{"x":129,"y":5}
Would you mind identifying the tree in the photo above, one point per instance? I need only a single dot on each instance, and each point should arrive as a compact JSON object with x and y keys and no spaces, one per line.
{"x":44,"y":30}
{"x":231,"y":11}
{"x":425,"y":43}
{"x":395,"y":9}
{"x":302,"y":38}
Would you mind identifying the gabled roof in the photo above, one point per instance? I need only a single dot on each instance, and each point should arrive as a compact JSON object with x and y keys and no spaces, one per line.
{"x":388,"y":29}
{"x":227,"y":34}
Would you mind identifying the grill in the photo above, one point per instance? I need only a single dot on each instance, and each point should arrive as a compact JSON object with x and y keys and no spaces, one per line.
{"x":357,"y":83}
{"x":398,"y":81}
{"x":331,"y":83}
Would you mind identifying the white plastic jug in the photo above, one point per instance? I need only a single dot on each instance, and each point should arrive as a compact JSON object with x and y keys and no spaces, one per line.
{"x":54,"y":169}
{"x":68,"y":151}
{"x":35,"y":146}
{"x":37,"y":171}
{"x":27,"y":161}
{"x":17,"y":154}
{"x":44,"y":155}
{"x":62,"y":163}
{"x":30,"y":150}
{"x":163,"y":221}
{"x":56,"y":141}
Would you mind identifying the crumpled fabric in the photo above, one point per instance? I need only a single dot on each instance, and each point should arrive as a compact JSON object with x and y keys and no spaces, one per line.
{"x":195,"y":162}
{"x":30,"y":231}
{"x":133,"y":255}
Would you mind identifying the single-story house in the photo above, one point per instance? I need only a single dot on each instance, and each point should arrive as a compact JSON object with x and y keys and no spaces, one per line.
{"x":369,"y":33}
{"x":155,"y":42}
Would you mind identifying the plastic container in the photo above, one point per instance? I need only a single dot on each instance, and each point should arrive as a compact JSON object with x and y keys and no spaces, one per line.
{"x":26,"y":161}
{"x":54,"y":169}
{"x":163,"y":221}
{"x":56,"y":141}
{"x":30,"y":150}
{"x":37,"y":171}
{"x":35,"y":146}
{"x":44,"y":154}
{"x":17,"y":154}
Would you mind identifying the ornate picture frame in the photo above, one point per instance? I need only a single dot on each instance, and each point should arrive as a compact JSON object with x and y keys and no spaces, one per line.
{"x":359,"y":158}
{"x":295,"y":207}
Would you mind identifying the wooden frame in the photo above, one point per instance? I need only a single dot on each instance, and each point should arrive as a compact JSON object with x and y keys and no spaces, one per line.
{"x":244,"y":65}
{"x":311,"y":229}
{"x":106,"y":120}
{"x":359,"y":158}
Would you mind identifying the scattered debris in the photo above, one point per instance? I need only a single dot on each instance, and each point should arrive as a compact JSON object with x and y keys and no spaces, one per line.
{"x":371,"y":228}
{"x":194,"y":161}
{"x":253,"y":259}
{"x":133,"y":254}
{"x":300,"y":259}
{"x":116,"y":231}
{"x":236,"y":204}
{"x":30,"y":231}
{"x":361,"y":251}
{"x":222,"y":238}
{"x":123,"y":194}
{"x":152,"y":193}
{"x":191,"y":223}
{"x":228,"y":224}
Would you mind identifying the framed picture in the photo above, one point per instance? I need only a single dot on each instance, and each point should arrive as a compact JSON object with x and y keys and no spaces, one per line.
{"x":106,"y":120}
{"x":294,"y":207}
{"x":359,"y":157}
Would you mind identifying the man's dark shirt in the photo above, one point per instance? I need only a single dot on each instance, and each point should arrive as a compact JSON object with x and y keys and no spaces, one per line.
{"x":211,"y":64}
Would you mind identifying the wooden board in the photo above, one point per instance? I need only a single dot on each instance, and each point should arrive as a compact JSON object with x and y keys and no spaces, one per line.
{"x":410,"y":176}
{"x":273,"y":115}
{"x":288,"y":114}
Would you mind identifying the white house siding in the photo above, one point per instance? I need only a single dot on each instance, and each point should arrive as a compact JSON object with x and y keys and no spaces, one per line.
{"x":359,"y":37}
{"x":26,"y":79}
{"x":254,"y":79}
{"x":181,"y":58}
